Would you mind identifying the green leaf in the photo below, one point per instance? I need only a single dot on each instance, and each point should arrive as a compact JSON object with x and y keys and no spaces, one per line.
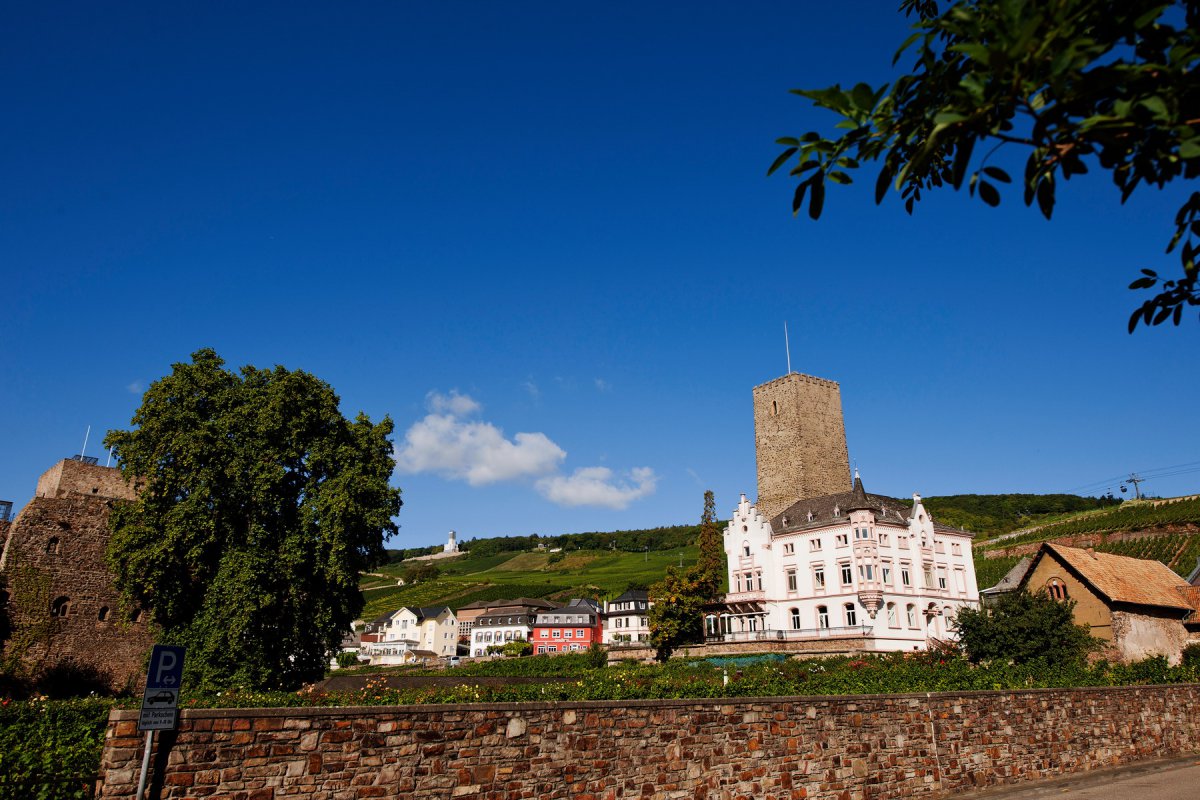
{"x":989,"y":194}
{"x":1155,"y":106}
{"x":995,"y":173}
{"x":945,"y":118}
{"x":1143,"y":283}
{"x":1189,"y":148}
{"x":781,"y":160}
{"x":881,"y":185}
{"x":816,"y":200}
{"x":863,"y":97}
{"x":1045,"y":197}
{"x":840,"y":178}
{"x":973,"y":50}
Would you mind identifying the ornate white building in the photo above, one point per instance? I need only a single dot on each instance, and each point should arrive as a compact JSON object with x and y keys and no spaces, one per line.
{"x":853,"y":564}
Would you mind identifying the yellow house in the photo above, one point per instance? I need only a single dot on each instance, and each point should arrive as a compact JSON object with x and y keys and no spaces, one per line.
{"x":1140,"y":607}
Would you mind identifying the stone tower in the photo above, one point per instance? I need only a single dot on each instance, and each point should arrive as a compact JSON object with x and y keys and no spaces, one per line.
{"x":799,"y":441}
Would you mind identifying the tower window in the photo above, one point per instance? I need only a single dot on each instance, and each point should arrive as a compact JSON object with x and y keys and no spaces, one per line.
{"x":52,"y":546}
{"x":61,"y":607}
{"x":775,"y":408}
{"x":103,"y":615}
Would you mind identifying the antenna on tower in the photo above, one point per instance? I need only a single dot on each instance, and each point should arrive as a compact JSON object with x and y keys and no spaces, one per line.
{"x":83,"y":452}
{"x":787,"y":348}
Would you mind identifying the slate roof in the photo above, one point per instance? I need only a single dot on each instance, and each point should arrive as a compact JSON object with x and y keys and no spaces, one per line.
{"x":1194,"y":578}
{"x":428,"y":612}
{"x":886,"y":509}
{"x":1121,"y":579}
{"x":1012,"y":579}
{"x":632,"y":596}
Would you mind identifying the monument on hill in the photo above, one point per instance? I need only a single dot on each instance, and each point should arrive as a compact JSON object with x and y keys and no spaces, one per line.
{"x":799,"y":441}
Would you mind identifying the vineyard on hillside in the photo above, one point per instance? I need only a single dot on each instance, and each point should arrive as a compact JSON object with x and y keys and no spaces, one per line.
{"x":1126,"y":517}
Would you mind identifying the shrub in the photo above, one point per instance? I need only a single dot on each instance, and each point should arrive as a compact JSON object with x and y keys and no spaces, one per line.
{"x":1023,"y":628}
{"x":347,"y":658}
{"x":1191,"y":656}
{"x":51,"y":749}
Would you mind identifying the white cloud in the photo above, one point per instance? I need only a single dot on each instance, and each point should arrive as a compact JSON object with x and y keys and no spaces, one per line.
{"x":532,"y":389}
{"x":137,"y":387}
{"x":602,"y":385}
{"x":475,"y":451}
{"x":595,"y":486}
{"x":453,"y":404}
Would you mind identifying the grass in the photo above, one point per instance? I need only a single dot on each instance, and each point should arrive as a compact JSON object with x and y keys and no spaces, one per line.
{"x":595,"y":573}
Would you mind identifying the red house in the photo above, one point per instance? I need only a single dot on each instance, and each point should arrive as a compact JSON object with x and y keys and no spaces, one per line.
{"x":573,"y":627}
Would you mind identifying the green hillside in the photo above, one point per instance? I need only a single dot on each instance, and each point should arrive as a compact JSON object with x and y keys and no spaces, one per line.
{"x":1173,"y":547}
{"x":581,"y":573}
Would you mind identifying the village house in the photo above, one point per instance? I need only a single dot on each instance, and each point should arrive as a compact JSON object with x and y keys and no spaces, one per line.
{"x":575,"y":626}
{"x":1140,"y":608}
{"x":626,"y":618}
{"x":410,"y":635}
{"x":506,"y":621}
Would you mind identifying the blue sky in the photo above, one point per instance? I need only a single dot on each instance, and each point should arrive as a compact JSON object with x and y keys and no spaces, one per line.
{"x":540,"y":237}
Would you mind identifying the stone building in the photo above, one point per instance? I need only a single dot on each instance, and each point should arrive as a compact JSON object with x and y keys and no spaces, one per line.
{"x":60,"y":592}
{"x":799,"y":441}
{"x":1140,"y":608}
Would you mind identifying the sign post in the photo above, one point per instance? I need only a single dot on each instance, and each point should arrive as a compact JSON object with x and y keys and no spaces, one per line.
{"x":160,"y":700}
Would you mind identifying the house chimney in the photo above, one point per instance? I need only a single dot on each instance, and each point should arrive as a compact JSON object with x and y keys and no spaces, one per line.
{"x":1091,"y":551}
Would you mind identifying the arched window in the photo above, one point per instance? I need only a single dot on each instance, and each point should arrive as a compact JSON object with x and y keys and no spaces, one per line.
{"x":61,"y":607}
{"x":103,"y":615}
{"x":912,"y":615}
{"x":893,"y":619}
{"x":1056,"y":589}
{"x":796,"y":618}
{"x":774,"y":407}
{"x":822,"y":617}
{"x":851,"y":615}
{"x":52,"y":546}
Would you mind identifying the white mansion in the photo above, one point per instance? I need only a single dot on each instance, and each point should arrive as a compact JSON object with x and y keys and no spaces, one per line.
{"x":850,"y":564}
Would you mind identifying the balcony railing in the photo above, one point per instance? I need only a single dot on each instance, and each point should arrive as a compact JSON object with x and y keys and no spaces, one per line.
{"x":791,"y":635}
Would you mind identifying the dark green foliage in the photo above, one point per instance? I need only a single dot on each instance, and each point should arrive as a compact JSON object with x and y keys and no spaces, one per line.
{"x":346,"y":659}
{"x":420,"y":572}
{"x":50,"y":750}
{"x":1191,"y":656}
{"x":1023,"y":628}
{"x":672,"y":537}
{"x":261,"y":507}
{"x":676,"y":618}
{"x":573,"y":677}
{"x":993,"y":514}
{"x":1070,"y":83}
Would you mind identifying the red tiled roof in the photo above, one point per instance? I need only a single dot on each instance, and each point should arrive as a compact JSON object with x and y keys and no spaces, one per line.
{"x":1122,"y":579}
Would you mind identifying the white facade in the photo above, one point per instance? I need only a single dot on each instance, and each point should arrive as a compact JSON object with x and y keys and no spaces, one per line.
{"x":451,"y":545}
{"x":415,"y":634}
{"x":864,"y":567}
{"x":627,"y":619}
{"x":499,"y":626}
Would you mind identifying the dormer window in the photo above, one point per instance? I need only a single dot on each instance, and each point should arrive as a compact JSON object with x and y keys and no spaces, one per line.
{"x":810,"y":516}
{"x":837,"y":511}
{"x":745,"y":548}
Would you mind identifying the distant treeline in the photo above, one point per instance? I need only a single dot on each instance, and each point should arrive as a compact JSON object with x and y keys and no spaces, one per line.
{"x":1000,"y":513}
{"x":668,"y":538}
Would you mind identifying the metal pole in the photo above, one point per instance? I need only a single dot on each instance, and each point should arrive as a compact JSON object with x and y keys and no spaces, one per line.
{"x":145,"y":765}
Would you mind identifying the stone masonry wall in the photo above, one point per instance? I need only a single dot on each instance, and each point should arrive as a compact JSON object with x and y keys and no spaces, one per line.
{"x":799,"y":441}
{"x":815,"y":748}
{"x":54,"y":551}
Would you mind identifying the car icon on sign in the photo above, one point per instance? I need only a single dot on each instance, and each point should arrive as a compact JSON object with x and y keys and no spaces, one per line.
{"x":161,"y":697}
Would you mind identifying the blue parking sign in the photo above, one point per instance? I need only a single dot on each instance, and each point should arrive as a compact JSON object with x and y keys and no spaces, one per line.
{"x":166,"y":667}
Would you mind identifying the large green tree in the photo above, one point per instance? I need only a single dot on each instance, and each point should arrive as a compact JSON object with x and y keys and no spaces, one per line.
{"x":677,"y":616}
{"x":1068,"y":82}
{"x":1023,"y":627}
{"x":261,"y":504}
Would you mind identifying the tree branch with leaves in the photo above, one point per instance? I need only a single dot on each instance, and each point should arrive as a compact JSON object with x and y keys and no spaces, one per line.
{"x":1073,"y":82}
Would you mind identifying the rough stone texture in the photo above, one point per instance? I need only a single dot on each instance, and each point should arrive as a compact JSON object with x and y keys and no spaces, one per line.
{"x":798,"y":748}
{"x":55,"y":550}
{"x":1142,"y":635}
{"x":799,"y":441}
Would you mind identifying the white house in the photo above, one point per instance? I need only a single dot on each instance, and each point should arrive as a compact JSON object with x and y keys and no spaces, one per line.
{"x":413,"y":634}
{"x":626,"y":618}
{"x":852,"y":565}
{"x":505,"y":621}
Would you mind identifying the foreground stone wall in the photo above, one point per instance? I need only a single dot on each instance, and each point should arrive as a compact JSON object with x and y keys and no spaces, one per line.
{"x":816,"y":748}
